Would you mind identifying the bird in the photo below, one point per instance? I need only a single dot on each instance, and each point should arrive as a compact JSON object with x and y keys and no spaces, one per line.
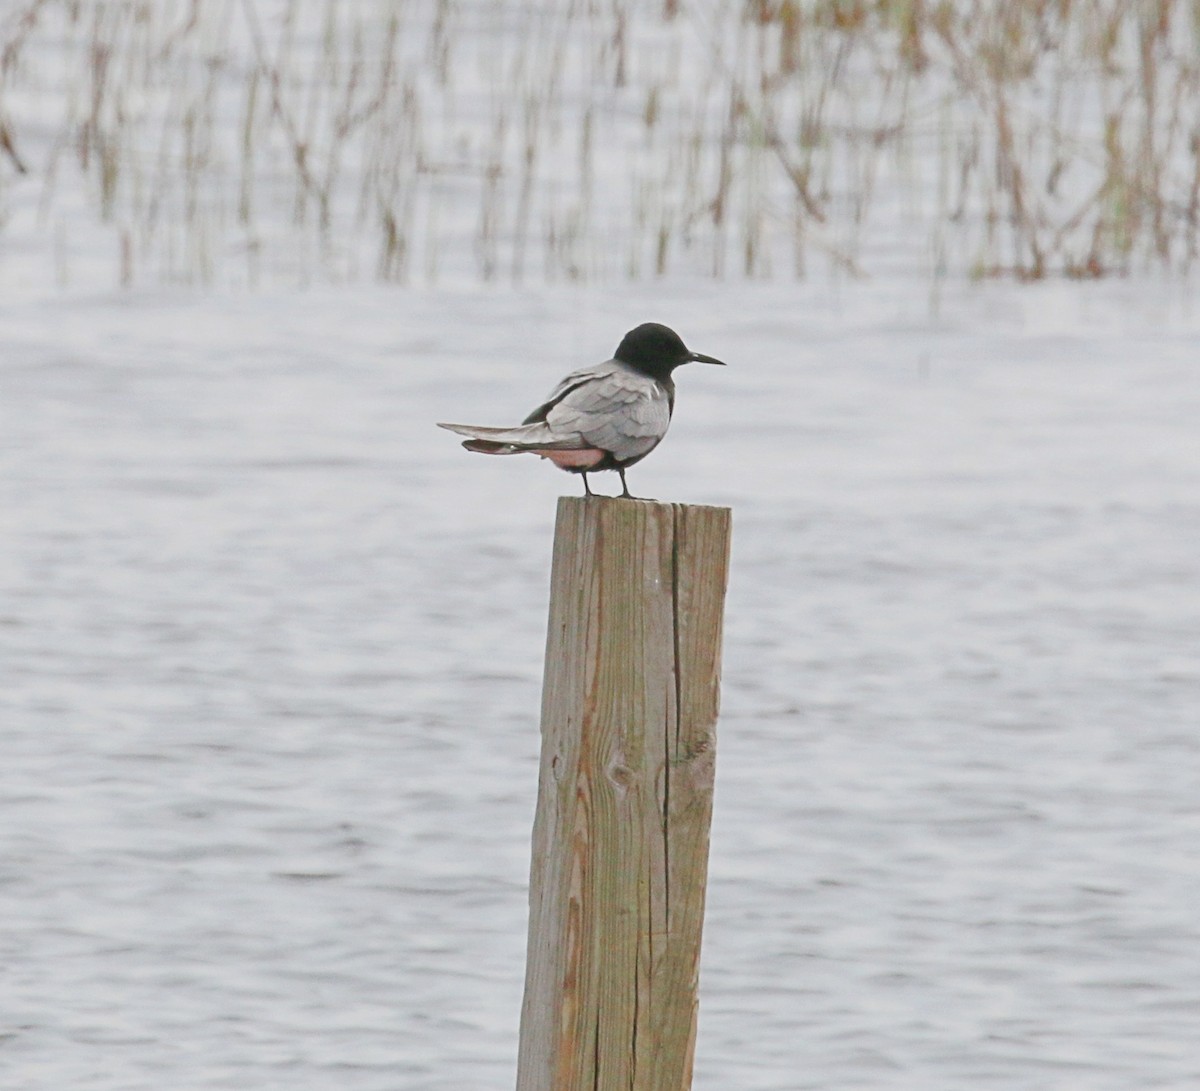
{"x":604,"y":417}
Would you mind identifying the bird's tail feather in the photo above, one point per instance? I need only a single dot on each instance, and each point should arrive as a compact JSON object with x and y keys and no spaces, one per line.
{"x":512,"y":441}
{"x":488,"y":447}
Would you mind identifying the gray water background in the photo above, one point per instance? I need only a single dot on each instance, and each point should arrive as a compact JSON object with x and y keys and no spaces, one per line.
{"x":271,"y":654}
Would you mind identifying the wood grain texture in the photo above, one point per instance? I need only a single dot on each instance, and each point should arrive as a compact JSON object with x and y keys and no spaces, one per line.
{"x":620,"y":839}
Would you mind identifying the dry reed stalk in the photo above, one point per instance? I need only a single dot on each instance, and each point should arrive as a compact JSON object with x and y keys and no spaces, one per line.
{"x":1025,"y":138}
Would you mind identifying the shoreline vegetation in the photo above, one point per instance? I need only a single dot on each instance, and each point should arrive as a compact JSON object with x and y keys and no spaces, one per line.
{"x":252,"y":141}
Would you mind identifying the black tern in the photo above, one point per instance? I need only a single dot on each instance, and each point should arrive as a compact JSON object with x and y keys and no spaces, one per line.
{"x":604,"y":417}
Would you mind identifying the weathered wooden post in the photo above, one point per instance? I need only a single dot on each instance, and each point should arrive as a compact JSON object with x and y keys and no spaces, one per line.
{"x":620,"y":840}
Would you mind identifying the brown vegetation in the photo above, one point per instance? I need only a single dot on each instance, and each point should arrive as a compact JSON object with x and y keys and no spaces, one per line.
{"x":577,"y":140}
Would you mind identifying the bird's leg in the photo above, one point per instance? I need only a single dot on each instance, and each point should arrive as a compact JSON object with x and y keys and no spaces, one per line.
{"x":625,"y":487}
{"x":586,"y":488}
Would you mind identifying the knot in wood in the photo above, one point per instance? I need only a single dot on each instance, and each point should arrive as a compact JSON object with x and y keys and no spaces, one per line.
{"x":620,"y":776}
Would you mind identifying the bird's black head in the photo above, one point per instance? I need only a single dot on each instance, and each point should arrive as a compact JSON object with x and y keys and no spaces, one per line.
{"x":656,"y":350}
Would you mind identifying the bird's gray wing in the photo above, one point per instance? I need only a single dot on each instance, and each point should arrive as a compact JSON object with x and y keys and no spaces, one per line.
{"x":524,"y":437}
{"x":607,"y":406}
{"x":614,"y":409}
{"x":581,"y":377}
{"x":535,"y":433}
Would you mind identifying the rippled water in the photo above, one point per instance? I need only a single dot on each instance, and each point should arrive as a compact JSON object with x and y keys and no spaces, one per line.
{"x":272,"y":655}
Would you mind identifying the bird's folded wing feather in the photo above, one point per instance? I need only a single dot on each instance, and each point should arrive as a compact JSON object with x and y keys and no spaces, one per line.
{"x":534,"y":433}
{"x":614,"y":409}
{"x":532,"y":437}
{"x":584,"y":376}
{"x":606,"y":406}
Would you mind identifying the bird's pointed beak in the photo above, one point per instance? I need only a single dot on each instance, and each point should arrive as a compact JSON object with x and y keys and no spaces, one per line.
{"x":700,"y":358}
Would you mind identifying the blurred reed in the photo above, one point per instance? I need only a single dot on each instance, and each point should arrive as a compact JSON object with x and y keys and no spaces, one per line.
{"x":580,"y":140}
